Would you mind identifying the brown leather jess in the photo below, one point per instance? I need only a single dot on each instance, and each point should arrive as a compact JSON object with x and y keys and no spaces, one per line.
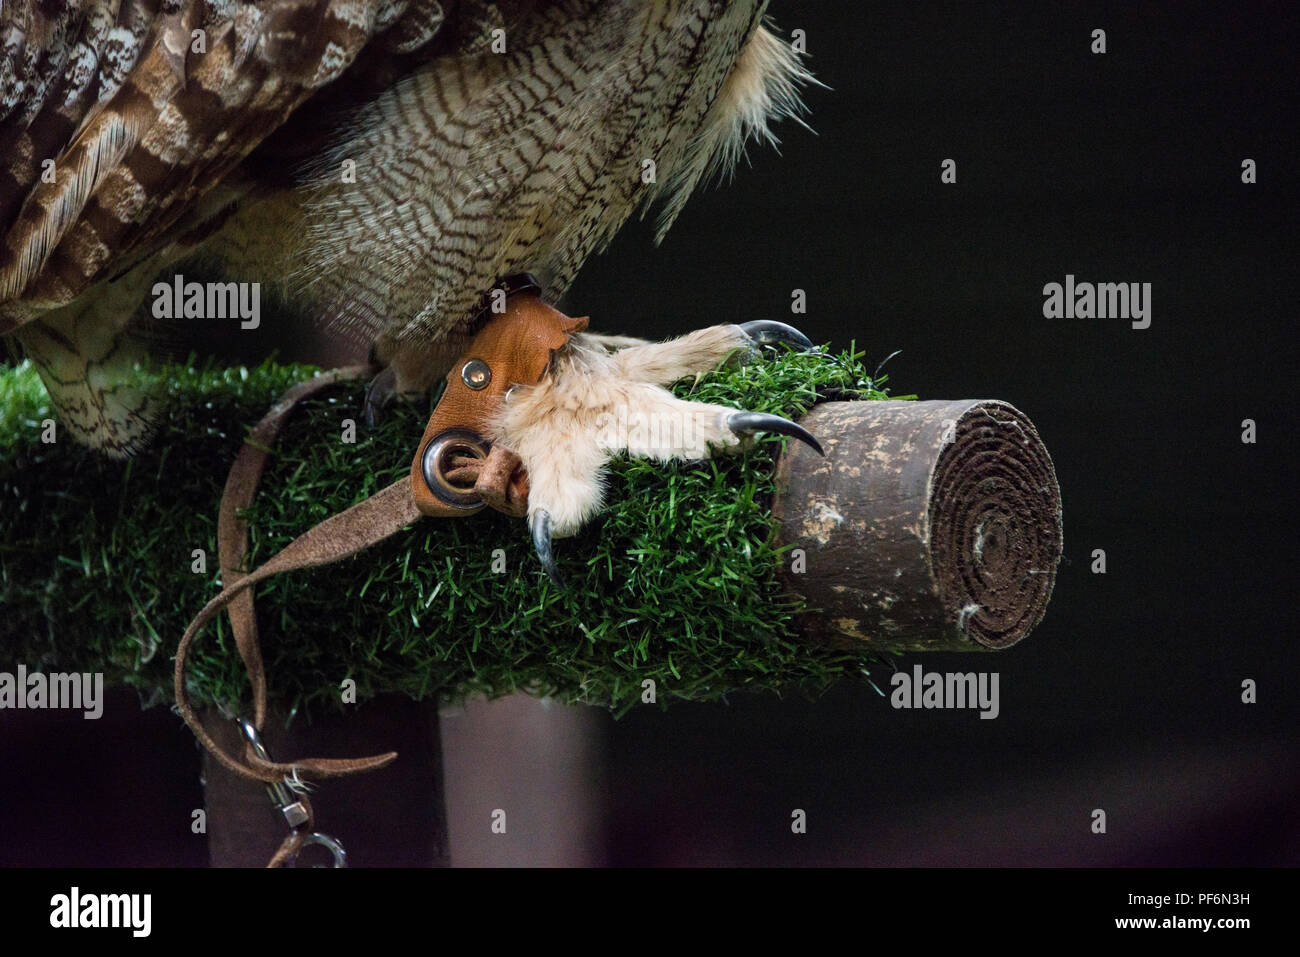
{"x":455,"y":473}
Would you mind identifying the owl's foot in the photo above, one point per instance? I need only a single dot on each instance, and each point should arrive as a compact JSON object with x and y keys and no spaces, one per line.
{"x":383,"y":389}
{"x":600,"y":399}
{"x":378,"y":393}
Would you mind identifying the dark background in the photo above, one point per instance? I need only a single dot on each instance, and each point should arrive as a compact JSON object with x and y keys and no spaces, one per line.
{"x":1122,"y":167}
{"x":1117,"y":167}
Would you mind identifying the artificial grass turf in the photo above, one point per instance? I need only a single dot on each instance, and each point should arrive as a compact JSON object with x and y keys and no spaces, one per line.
{"x":675,"y":582}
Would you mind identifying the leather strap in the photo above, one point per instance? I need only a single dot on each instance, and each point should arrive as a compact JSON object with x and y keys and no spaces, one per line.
{"x":339,"y":536}
{"x":232,"y":529}
{"x":514,"y":348}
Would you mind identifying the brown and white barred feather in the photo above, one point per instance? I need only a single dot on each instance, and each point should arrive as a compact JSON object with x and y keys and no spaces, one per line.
{"x":470,"y":163}
{"x":140,"y":125}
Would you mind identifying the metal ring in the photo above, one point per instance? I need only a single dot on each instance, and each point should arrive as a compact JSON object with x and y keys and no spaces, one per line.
{"x":325,"y":841}
{"x":436,"y":458}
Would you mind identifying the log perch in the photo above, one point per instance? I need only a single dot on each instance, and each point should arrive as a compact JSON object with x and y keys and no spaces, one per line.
{"x":931,"y":525}
{"x":928,"y":526}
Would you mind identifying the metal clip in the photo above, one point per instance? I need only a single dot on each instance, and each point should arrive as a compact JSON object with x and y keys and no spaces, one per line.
{"x":324,"y":840}
{"x":294,"y":811}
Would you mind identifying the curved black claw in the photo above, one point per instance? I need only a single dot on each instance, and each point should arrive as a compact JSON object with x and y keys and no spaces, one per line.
{"x":749,"y":423}
{"x":766,"y":332}
{"x":540,"y":525}
{"x":378,"y":392}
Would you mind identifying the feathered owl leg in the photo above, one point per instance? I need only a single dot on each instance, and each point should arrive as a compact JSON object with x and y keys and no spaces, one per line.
{"x":595,"y":403}
{"x":91,"y":364}
{"x":614,"y":343}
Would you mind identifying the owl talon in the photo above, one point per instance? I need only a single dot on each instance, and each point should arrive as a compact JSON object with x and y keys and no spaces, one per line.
{"x":540,"y":525}
{"x":378,"y":393}
{"x":751,"y":423}
{"x":767,"y":332}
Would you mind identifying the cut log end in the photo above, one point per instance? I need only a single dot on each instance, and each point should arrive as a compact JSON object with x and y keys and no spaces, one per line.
{"x":928,"y":526}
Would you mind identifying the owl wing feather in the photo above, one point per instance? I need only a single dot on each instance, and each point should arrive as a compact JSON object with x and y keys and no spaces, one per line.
{"x":143,"y":107}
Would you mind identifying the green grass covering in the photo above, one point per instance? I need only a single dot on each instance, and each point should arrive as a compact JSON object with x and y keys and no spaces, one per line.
{"x":676,"y":581}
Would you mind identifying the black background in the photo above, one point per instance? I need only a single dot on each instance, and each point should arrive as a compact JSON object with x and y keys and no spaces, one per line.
{"x":1122,"y":167}
{"x":1117,"y":167}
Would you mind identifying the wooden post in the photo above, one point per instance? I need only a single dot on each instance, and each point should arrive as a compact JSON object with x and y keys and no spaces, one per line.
{"x":928,"y":526}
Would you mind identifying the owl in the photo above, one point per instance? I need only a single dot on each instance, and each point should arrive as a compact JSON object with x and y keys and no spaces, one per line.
{"x":377,"y":167}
